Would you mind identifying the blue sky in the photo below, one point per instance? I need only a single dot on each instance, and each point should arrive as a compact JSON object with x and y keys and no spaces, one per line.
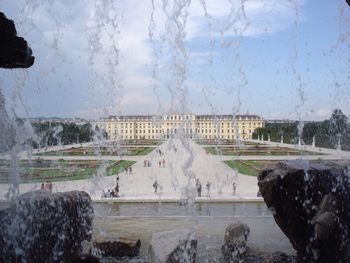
{"x":278,"y":59}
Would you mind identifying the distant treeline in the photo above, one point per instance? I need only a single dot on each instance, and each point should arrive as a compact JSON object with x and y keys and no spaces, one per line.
{"x":327,"y":133}
{"x":54,"y":133}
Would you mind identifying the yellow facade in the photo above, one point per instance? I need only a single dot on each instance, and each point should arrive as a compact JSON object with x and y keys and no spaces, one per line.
{"x":191,"y":126}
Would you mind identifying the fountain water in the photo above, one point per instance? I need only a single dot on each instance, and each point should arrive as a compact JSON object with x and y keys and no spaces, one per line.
{"x":103,"y":33}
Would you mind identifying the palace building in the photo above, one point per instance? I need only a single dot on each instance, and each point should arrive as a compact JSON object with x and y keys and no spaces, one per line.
{"x":192,"y":126}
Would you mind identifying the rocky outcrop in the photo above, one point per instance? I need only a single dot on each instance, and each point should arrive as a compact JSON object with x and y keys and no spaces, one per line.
{"x":235,"y":242}
{"x":45,"y":227}
{"x":127,"y":246}
{"x":279,"y":257}
{"x":173,"y":247}
{"x":84,"y":258}
{"x":311,"y":204}
{"x":14,"y":50}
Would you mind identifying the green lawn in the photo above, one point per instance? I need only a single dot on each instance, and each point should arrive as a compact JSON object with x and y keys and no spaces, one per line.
{"x":213,"y":150}
{"x":145,"y":151}
{"x":64,"y":171}
{"x":242,"y":168}
{"x":104,"y":151}
{"x":255,"y":151}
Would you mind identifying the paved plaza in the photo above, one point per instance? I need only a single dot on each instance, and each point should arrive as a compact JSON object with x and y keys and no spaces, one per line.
{"x":184,"y":162}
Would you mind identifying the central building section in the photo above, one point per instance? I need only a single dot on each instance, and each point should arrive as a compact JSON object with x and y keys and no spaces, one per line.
{"x":190,"y":126}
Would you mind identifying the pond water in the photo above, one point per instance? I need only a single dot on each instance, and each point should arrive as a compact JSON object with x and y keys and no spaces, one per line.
{"x":208,"y":220}
{"x":176,"y":210}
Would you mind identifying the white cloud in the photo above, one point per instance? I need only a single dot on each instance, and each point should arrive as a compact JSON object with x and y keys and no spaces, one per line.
{"x":132,"y":36}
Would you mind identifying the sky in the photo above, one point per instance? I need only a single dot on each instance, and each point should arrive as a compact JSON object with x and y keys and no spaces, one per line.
{"x":278,"y":59}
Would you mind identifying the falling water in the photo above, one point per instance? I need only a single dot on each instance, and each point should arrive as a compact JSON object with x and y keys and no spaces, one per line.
{"x":103,"y":31}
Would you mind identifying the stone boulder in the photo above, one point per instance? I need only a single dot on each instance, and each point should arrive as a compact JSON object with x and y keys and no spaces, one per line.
{"x":14,"y":50}
{"x":173,"y":247}
{"x":310,"y":202}
{"x":84,"y":258}
{"x":127,"y":246}
{"x":235,"y":242}
{"x":279,"y":257}
{"x":45,"y":227}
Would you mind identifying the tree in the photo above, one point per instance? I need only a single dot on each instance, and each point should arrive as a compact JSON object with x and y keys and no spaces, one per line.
{"x":327,"y":133}
{"x":338,"y":126}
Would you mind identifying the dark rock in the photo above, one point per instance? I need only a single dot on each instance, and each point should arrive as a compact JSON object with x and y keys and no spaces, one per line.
{"x":348,"y":1}
{"x":235,"y":242}
{"x":173,"y":247}
{"x":45,"y":227}
{"x":14,"y":50}
{"x":128,"y":246}
{"x":279,"y":257}
{"x":311,"y":205}
{"x":85,"y":258}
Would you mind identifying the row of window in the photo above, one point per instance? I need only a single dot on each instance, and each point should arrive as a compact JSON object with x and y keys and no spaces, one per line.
{"x":202,"y":131}
{"x":202,"y":124}
{"x":125,"y":137}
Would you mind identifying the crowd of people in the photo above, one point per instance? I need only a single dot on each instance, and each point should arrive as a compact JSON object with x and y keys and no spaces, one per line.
{"x":207,"y":186}
{"x":112,"y":192}
{"x":161,"y":163}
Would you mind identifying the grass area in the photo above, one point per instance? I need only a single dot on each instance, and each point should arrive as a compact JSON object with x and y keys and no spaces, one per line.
{"x":215,"y":141}
{"x":145,"y":151}
{"x":62,"y":170}
{"x":242,"y":168}
{"x":261,"y":151}
{"x":249,"y":167}
{"x":141,"y":142}
{"x":104,"y":151}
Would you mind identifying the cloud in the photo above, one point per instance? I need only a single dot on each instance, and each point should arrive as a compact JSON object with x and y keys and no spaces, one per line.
{"x":60,"y":44}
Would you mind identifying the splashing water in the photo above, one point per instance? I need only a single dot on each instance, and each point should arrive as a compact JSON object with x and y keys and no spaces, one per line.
{"x":171,"y":67}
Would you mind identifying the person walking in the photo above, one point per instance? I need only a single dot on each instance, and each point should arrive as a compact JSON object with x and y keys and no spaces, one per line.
{"x":144,"y":163}
{"x":208,"y":189}
{"x":234,"y":188}
{"x":163,"y":163}
{"x":130,"y":169}
{"x":160,"y":163}
{"x":155,"y":186}
{"x":199,"y":188}
{"x":116,"y":190}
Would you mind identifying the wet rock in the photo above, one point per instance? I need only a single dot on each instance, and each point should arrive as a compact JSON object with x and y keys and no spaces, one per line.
{"x":311,"y":205}
{"x":85,"y":258}
{"x":45,"y":227}
{"x":128,"y":246}
{"x":173,"y":247}
{"x":326,"y":221}
{"x":279,"y":257}
{"x":235,"y":242}
{"x":14,"y":50}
